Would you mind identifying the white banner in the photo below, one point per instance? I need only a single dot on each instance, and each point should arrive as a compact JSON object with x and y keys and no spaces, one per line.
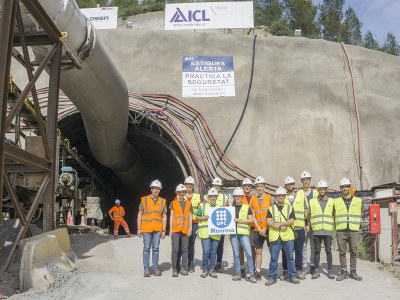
{"x":208,"y":76}
{"x":221,"y":220}
{"x":207,"y":15}
{"x":102,"y":17}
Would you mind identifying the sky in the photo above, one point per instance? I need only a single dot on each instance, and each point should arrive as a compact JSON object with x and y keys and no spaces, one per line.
{"x":378,"y":16}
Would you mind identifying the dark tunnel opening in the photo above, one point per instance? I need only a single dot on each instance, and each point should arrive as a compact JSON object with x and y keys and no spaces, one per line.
{"x":159,"y":154}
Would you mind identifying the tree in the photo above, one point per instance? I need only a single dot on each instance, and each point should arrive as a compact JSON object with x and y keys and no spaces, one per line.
{"x":279,"y":29}
{"x":391,"y":46}
{"x":330,"y":19}
{"x":267,"y":12}
{"x":91,"y":3}
{"x":350,"y":32}
{"x":370,"y":42}
{"x":300,"y":14}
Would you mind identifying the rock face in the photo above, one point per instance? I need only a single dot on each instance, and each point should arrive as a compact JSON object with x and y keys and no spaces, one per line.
{"x":301,"y":113}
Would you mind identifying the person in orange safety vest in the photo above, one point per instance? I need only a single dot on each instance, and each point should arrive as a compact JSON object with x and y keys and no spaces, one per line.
{"x":117,"y":214}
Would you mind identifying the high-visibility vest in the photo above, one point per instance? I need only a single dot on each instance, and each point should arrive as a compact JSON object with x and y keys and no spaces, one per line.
{"x":117,"y":212}
{"x":203,"y":225}
{"x":244,"y":201}
{"x":321,"y":220}
{"x":181,"y":219}
{"x":351,"y":218}
{"x":280,"y":217}
{"x":221,"y":199}
{"x":261,"y":211}
{"x":298,"y":206}
{"x":243,"y":215}
{"x":152,"y":214}
{"x":195,"y":201}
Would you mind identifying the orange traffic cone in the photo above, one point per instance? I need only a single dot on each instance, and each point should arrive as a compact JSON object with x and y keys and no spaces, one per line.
{"x":69,"y":218}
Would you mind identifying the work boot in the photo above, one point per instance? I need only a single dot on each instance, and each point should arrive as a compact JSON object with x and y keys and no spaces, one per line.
{"x":316,"y":274}
{"x":184,"y":272}
{"x":285,"y":276}
{"x":294,"y":280}
{"x":115,"y":237}
{"x":257,"y":275}
{"x":146,"y":273}
{"x":243,"y":273}
{"x":218,"y":268}
{"x":213,"y":273}
{"x":191,"y":269}
{"x":353,"y":275}
{"x":300,"y":275}
{"x":174,"y":273}
{"x":237,"y":277}
{"x":270,"y":282}
{"x":204,"y":274}
{"x":253,"y":279}
{"x":312,"y":270}
{"x":157,"y":272}
{"x":342,"y":276}
{"x":331,"y":275}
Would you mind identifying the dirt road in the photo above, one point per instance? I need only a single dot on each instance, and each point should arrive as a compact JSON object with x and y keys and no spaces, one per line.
{"x":111,"y":269}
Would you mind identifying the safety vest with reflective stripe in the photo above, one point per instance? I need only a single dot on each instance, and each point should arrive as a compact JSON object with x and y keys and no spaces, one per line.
{"x":280,"y":217}
{"x":244,"y":201}
{"x":321,"y":220}
{"x":261,"y":211}
{"x":152,"y":214}
{"x":243,"y":215}
{"x":203,"y":225}
{"x":352,"y":217}
{"x":181,"y":219}
{"x":195,"y":201}
{"x":298,"y":205}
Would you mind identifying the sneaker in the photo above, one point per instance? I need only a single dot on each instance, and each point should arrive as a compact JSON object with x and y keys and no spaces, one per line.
{"x":237,"y":277}
{"x":129,"y":235}
{"x":270,"y":282}
{"x":184,"y":273}
{"x":213,"y":273}
{"x":146,"y":273}
{"x":301,"y":275}
{"x":331,"y":275}
{"x":285,"y":276}
{"x":294,"y":280}
{"x":218,"y":268}
{"x":243,"y":273}
{"x":204,"y":274}
{"x":253,"y":279}
{"x":312,"y":270}
{"x":174,"y":273}
{"x":115,"y":237}
{"x":157,"y":272}
{"x":257,"y":275}
{"x":191,"y":269}
{"x":353,"y":275}
{"x":342,"y":276}
{"x":316,"y":274}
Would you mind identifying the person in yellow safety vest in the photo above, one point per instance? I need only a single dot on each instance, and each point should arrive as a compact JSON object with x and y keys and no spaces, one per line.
{"x":209,"y":243}
{"x":321,"y":219}
{"x":117,"y":214}
{"x":151,"y":224}
{"x":248,"y":198}
{"x":300,"y":206}
{"x":180,"y":229}
{"x":243,"y":219}
{"x":260,"y":207}
{"x":348,"y":219}
{"x":221,"y":201}
{"x":280,"y":219}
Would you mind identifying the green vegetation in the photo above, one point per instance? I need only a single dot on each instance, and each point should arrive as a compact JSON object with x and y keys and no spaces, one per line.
{"x":326,"y":20}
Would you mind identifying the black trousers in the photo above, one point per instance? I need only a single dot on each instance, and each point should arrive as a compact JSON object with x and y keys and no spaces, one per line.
{"x":328,"y":250}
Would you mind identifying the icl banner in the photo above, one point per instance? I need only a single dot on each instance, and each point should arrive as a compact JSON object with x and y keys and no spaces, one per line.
{"x":208,"y":15}
{"x":208,"y":76}
{"x":221,"y":221}
{"x":102,"y":17}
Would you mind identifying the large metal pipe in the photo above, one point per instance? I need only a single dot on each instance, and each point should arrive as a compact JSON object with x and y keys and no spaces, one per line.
{"x":97,"y":90}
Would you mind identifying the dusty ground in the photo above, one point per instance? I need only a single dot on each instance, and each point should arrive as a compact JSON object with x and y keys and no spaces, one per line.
{"x":111,"y":269}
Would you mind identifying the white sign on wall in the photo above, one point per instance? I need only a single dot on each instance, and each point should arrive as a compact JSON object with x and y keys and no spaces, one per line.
{"x":208,"y":15}
{"x":208,"y":76}
{"x":221,"y":220}
{"x":102,"y":17}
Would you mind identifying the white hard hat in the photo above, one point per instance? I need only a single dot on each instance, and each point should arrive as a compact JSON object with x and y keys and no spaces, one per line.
{"x":305,"y":174}
{"x":212,"y":192}
{"x":247,"y":181}
{"x":344,"y":181}
{"x":217,"y":181}
{"x":189,"y":180}
{"x":180,"y":188}
{"x":238,"y":192}
{"x":322,"y":184}
{"x":289,"y":180}
{"x":156,"y":183}
{"x":280,"y":191}
{"x":259,"y":179}
{"x":117,"y":201}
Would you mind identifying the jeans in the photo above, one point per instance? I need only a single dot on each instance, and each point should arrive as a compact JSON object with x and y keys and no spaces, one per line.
{"x":192,"y":241}
{"x":298,"y":250}
{"x":209,"y":253}
{"x":180,"y":242}
{"x":344,"y":238}
{"x":220,"y":250}
{"x":152,"y":240}
{"x":309,"y":235}
{"x":328,"y":243}
{"x":244,"y":241}
{"x":275,"y":249}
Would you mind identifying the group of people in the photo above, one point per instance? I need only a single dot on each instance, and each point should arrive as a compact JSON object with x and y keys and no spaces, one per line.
{"x":285,"y":222}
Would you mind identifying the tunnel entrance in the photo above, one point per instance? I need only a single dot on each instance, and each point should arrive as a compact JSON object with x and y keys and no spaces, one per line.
{"x":159,"y":153}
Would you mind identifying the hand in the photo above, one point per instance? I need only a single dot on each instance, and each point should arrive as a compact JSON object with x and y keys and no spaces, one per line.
{"x":236,"y":220}
{"x":276,"y":225}
{"x":139,"y":233}
{"x":263,"y":232}
{"x":112,"y":219}
{"x":189,"y":233}
{"x":307,"y":228}
{"x":283,"y":228}
{"x":206,"y":218}
{"x":163,"y":235}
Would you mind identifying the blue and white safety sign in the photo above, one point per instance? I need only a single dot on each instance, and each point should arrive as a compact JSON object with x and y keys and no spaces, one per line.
{"x":208,"y":76}
{"x":221,"y":221}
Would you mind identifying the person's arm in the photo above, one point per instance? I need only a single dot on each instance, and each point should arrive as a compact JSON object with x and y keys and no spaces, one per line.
{"x":109,"y":213}
{"x":256,"y":224}
{"x":272,"y":224}
{"x":164,"y":225}
{"x":139,"y":223}
{"x":170,"y":222}
{"x":123,"y":212}
{"x":190,"y":225}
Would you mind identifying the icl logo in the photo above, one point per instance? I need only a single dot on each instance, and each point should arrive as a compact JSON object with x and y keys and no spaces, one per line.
{"x":180,"y":17}
{"x":221,"y":217}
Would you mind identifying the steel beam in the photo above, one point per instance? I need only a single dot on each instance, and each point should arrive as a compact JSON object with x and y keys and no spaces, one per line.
{"x":14,"y":153}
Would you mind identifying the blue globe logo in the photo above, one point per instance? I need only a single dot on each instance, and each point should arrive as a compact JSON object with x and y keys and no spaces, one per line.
{"x":221,"y":217}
